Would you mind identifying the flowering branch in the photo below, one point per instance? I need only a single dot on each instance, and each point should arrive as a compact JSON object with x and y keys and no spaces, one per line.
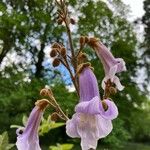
{"x":53,"y":102}
{"x":93,"y":116}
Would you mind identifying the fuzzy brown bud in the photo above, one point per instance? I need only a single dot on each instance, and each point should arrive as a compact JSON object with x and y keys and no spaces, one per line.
{"x":92,"y":41}
{"x":104,"y":105}
{"x":56,"y":62}
{"x":53,"y":52}
{"x":54,"y":116}
{"x":63,"y":51}
{"x":59,"y":21}
{"x":82,"y":40}
{"x":87,"y":39}
{"x":42,"y":104}
{"x":72,"y":21}
{"x":46,"y":92}
{"x":112,"y":90}
{"x":56,"y":45}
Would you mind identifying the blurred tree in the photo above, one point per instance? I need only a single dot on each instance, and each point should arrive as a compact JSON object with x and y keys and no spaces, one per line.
{"x":146,"y":22}
{"x":26,"y":28}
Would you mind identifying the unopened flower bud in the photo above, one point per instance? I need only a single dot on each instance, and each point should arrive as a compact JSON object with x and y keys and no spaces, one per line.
{"x":56,"y":45}
{"x":46,"y":92}
{"x":56,"y":62}
{"x":93,"y":41}
{"x":59,"y":21}
{"x":72,"y":21}
{"x":104,"y":105}
{"x":63,"y":51}
{"x":42,"y":104}
{"x":53,"y":52}
{"x":82,"y":40}
{"x":112,"y":90}
{"x":54,"y":116}
{"x":87,"y":39}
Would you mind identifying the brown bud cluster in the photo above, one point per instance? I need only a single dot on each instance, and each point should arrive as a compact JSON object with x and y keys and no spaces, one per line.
{"x":58,"y":51}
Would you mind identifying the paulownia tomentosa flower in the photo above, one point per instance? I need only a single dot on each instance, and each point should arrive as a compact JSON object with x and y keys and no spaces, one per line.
{"x":29,"y":140}
{"x":111,"y":64}
{"x":90,"y":121}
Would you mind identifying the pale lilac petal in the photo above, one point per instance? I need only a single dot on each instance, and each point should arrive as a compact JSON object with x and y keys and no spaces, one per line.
{"x":91,"y":128}
{"x":121,"y":65}
{"x":29,"y":137}
{"x":94,"y":106}
{"x":116,"y":81}
{"x":112,"y":111}
{"x":112,"y":72}
{"x":88,"y":85}
{"x":71,"y":126}
{"x":88,"y":143}
{"x":105,"y":79}
{"x":104,"y":126}
{"x":88,"y":131}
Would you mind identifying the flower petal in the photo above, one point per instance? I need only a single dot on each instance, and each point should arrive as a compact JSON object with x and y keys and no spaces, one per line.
{"x":94,"y":106}
{"x":104,"y":126}
{"x":71,"y":126}
{"x":116,"y":81}
{"x":91,"y":128}
{"x":88,"y":85}
{"x":112,"y":72}
{"x":112,"y":111}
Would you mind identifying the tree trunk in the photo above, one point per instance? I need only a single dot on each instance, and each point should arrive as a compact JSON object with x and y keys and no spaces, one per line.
{"x":39,"y":67}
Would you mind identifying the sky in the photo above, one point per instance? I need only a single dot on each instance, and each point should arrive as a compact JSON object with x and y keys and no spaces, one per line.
{"x":136,"y":8}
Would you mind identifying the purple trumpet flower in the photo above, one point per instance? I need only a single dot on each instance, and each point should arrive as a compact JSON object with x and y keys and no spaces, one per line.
{"x":91,"y":122}
{"x":29,"y":139}
{"x":111,"y":64}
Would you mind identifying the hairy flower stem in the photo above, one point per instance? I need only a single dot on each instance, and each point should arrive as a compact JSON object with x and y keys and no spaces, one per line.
{"x":57,"y":107}
{"x":71,"y":74}
{"x":106,"y":91}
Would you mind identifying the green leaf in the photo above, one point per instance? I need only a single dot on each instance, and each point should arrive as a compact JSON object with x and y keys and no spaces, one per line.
{"x":62,"y":147}
{"x":4,"y":142}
